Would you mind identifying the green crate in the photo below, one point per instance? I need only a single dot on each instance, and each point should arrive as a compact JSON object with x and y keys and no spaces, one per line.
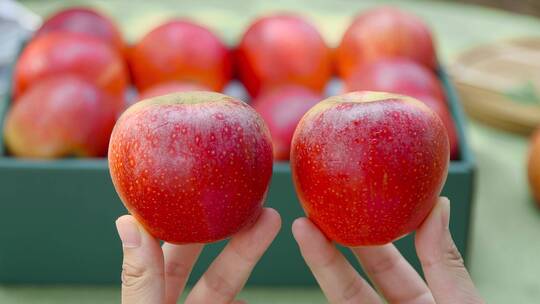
{"x":57,"y":219}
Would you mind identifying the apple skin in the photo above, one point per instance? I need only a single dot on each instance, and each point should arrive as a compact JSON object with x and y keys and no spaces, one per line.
{"x":395,"y":75}
{"x":192,"y":167}
{"x":533,"y":166}
{"x":385,"y":32}
{"x":60,"y":116}
{"x":85,"y":21}
{"x":282,"y":49}
{"x":368,"y":166}
{"x":441,"y":108}
{"x":71,"y":53}
{"x":282,"y":109}
{"x":180,"y":50}
{"x":171,"y":87}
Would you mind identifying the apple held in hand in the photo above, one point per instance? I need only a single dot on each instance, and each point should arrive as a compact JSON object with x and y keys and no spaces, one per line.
{"x":441,"y":108}
{"x":85,"y":21}
{"x":180,"y":51}
{"x":71,"y":53}
{"x":60,"y":116}
{"x":282,"y":109}
{"x":369,"y":166}
{"x":283,"y":49}
{"x":192,"y":167}
{"x":385,"y":32}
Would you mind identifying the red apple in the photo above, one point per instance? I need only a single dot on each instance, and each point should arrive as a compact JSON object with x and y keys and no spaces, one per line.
{"x":192,"y":167}
{"x":441,"y":108}
{"x":85,"y":21}
{"x":368,"y":166}
{"x":180,"y":51}
{"x":385,"y":32}
{"x":282,"y":109}
{"x":171,"y":87}
{"x":283,"y":49}
{"x":60,"y":116}
{"x":70,"y":53}
{"x":533,"y":166}
{"x":397,"y":75}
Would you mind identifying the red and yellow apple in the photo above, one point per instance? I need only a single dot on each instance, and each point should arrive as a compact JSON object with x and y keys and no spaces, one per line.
{"x":385,"y":32}
{"x":396,"y":75}
{"x":282,"y":109}
{"x":171,"y":87}
{"x":180,"y":51}
{"x":192,"y":167}
{"x":283,"y":49}
{"x":533,"y":166}
{"x":60,"y":53}
{"x":85,"y":21}
{"x":60,"y":116}
{"x":368,"y":166}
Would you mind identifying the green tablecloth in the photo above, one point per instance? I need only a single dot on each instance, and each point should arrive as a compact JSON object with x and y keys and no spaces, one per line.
{"x":505,"y":261}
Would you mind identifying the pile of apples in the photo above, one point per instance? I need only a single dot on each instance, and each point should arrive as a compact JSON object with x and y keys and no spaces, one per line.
{"x":70,"y":82}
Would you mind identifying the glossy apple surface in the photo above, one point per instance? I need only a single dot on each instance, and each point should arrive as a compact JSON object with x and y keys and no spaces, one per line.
{"x":60,"y":116}
{"x":369,"y":166}
{"x":180,"y":51}
{"x":397,"y":75}
{"x":282,"y":49}
{"x":282,"y":109}
{"x":533,"y":166}
{"x":385,"y":32}
{"x":192,"y":167}
{"x":171,"y":87}
{"x":85,"y":21}
{"x":61,"y":53}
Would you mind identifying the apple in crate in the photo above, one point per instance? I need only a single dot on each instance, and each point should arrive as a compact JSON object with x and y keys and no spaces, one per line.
{"x":368,"y":166}
{"x":180,"y":50}
{"x":385,"y":32}
{"x":283,"y":49}
{"x":60,"y":116}
{"x":282,"y":109}
{"x":85,"y":21}
{"x":395,"y":75}
{"x":171,"y":87}
{"x":71,"y":53}
{"x":192,"y":167}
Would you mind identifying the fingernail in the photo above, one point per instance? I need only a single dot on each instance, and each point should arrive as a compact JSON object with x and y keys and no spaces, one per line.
{"x":445,"y":212}
{"x":128,"y":232}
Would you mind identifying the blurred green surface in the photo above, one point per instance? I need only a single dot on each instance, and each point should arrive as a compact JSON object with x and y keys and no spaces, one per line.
{"x":505,"y":260}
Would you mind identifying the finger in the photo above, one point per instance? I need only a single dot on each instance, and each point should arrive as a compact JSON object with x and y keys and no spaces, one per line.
{"x":179,"y":261}
{"x":394,"y":277}
{"x":443,"y":266}
{"x":142,"y":269}
{"x":230,"y":270}
{"x":337,"y":278}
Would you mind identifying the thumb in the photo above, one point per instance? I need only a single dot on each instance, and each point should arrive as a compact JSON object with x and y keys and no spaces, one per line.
{"x":142,"y":269}
{"x":441,"y":261}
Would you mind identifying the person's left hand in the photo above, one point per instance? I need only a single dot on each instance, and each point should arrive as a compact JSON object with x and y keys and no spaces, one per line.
{"x":154,"y":274}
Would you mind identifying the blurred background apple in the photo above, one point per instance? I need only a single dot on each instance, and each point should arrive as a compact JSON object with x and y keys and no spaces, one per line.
{"x":180,"y":50}
{"x":282,"y":49}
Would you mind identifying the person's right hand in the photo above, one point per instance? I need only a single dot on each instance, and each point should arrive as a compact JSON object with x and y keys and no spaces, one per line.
{"x":157,"y":275}
{"x":447,"y":279}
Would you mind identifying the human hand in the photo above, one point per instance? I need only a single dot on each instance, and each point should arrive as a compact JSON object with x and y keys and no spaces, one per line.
{"x":447,"y":279}
{"x":154,"y":274}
